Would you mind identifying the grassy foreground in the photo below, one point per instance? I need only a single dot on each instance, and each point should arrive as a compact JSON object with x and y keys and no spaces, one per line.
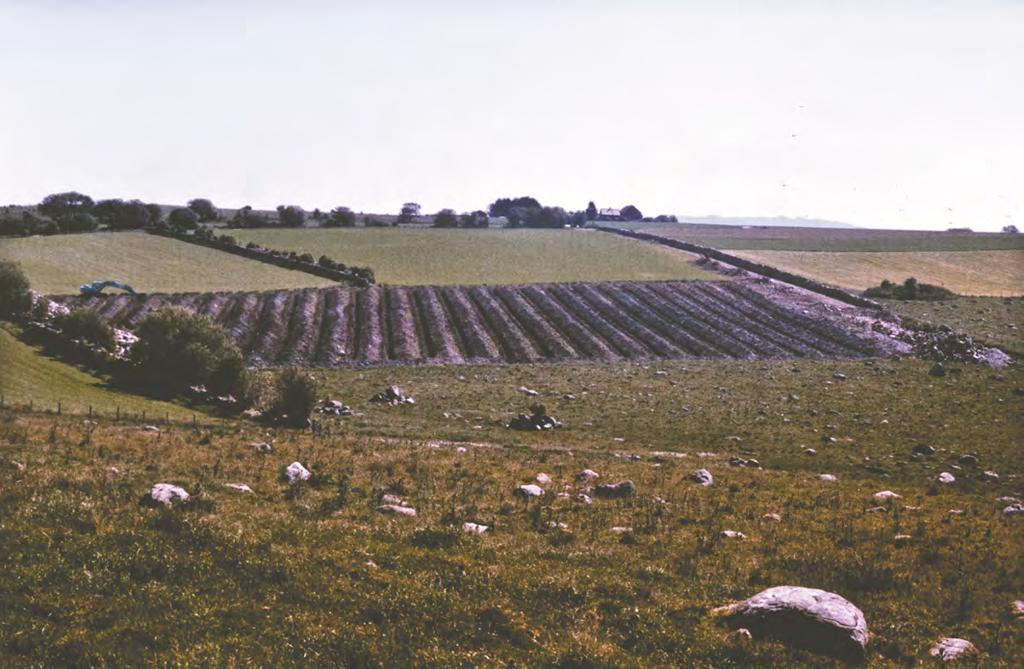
{"x":998,"y":273}
{"x":315,"y":576}
{"x":404,"y":256}
{"x":59,"y":264}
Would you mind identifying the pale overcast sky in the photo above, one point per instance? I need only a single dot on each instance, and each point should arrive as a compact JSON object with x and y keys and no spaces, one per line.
{"x":885,"y":114}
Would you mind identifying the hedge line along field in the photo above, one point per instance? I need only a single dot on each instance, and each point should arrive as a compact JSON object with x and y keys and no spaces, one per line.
{"x":59,"y":264}
{"x":546,"y":322}
{"x":29,"y":377}
{"x":314,"y":575}
{"x":406,"y":256}
{"x":998,"y":273}
{"x":765,"y":238}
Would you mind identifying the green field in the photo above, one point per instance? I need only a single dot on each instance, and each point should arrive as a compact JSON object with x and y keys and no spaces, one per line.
{"x":762,"y":238}
{"x":997,"y":321}
{"x":998,"y":273}
{"x":407,"y":256}
{"x":315,"y":576}
{"x":59,"y":264}
{"x":28,"y":377}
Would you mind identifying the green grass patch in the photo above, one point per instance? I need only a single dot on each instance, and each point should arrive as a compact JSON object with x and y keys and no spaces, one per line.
{"x":59,"y":264}
{"x":446,"y":257}
{"x":998,"y":321}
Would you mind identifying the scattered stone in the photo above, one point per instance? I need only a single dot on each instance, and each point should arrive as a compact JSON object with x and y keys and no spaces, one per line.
{"x":956,"y":512}
{"x":808,"y":618}
{"x":556,"y":525}
{"x":334,"y":408}
{"x":461,"y":449}
{"x":397,"y":509}
{"x":1008,"y":500}
{"x":810,"y":451}
{"x":151,"y":428}
{"x":827,"y":477}
{"x":568,"y":397}
{"x":989,"y":475}
{"x":702,"y":477}
{"x":946,"y":477}
{"x":1013,"y":509}
{"x":742,"y":635}
{"x":1017,"y":609}
{"x":528,"y":490}
{"x":886,"y":495}
{"x":937,"y":370}
{"x":584,"y":498}
{"x":733,"y":534}
{"x":252,"y":413}
{"x":901,"y":539}
{"x":388,"y":498}
{"x":295,"y":472}
{"x":528,"y":391}
{"x":737,"y":461}
{"x":877,"y":509}
{"x":912,"y":508}
{"x":621,"y":530}
{"x":839,"y":375}
{"x":371,"y":565}
{"x":923,"y":449}
{"x":951,"y":648}
{"x":474,"y":528}
{"x":616,"y":490}
{"x":773,"y":517}
{"x":392,"y":396}
{"x":587,"y":475}
{"x":538,"y":419}
{"x":261,"y":447}
{"x":968,"y":460}
{"x":164,"y":494}
{"x":543,"y":478}
{"x":240,"y":487}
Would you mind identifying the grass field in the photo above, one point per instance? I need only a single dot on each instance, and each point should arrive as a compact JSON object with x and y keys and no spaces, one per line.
{"x":315,"y":576}
{"x":963,"y":272}
{"x":829,"y":239}
{"x":446,"y":257}
{"x":998,"y":321}
{"x":59,"y":264}
{"x":27,"y":376}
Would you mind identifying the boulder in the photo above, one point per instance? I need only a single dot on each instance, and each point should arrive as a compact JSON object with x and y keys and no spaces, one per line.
{"x":616,"y":490}
{"x":164,"y":494}
{"x":733,"y":534}
{"x":587,"y":475}
{"x":774,"y":517}
{"x":528,"y":490}
{"x":240,"y":487}
{"x":388,"y":498}
{"x":952,"y":648}
{"x":807,"y":618}
{"x":702,"y":477}
{"x":295,"y":472}
{"x":968,"y":459}
{"x":989,"y":475}
{"x":392,"y":396}
{"x":946,"y":477}
{"x":397,"y":509}
{"x":1013,"y":509}
{"x":886,"y":495}
{"x":261,"y":447}
{"x":556,"y":525}
{"x":543,"y":478}
{"x":528,"y":391}
{"x":474,"y":528}
{"x":1017,"y":609}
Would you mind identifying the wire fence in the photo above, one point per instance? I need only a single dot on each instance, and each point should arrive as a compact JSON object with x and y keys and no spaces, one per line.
{"x":59,"y":408}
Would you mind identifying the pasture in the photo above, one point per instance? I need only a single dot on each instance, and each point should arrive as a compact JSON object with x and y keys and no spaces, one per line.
{"x":999,"y":321}
{"x":59,"y":264}
{"x":313,"y":574}
{"x":963,"y":272}
{"x":407,"y":256}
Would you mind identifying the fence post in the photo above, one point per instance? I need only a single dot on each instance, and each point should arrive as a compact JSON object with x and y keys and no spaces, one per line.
{"x":118,"y":412}
{"x":58,"y":407}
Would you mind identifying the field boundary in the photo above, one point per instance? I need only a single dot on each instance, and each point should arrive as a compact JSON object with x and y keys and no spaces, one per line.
{"x":751,"y":266}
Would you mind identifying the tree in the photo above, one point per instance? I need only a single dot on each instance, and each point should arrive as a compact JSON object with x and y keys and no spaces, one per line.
{"x":591,"y":211}
{"x":295,"y":395}
{"x":341,"y":217}
{"x":1010,"y":229}
{"x":156,"y":213}
{"x":177,"y":349}
{"x":504,"y":206}
{"x":291,"y":216}
{"x":186,"y":219}
{"x":88,"y":326}
{"x":630,"y":213}
{"x":77,"y":221}
{"x":120,"y":215}
{"x":204,"y":209}
{"x":410,"y":210}
{"x":59,"y":205}
{"x":446,"y":218}
{"x":247,"y":218}
{"x":578,"y":219}
{"x":15,"y":298}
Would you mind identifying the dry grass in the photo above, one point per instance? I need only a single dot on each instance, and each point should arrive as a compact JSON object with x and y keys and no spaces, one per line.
{"x":964,"y":272}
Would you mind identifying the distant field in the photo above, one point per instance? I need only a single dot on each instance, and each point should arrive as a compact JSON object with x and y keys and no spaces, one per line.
{"x":59,"y":264}
{"x":28,"y":376}
{"x":829,"y":239}
{"x":446,"y":257}
{"x":963,"y":272}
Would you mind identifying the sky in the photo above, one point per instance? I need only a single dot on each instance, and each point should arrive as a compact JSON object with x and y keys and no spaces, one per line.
{"x":881,"y":114}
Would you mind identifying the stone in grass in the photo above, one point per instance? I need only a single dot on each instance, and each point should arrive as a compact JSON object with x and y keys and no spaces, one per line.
{"x":388,"y":498}
{"x":774,"y":517}
{"x":164,"y":494}
{"x":474,"y":528}
{"x":886,"y":495}
{"x":827,"y":477}
{"x":733,"y":534}
{"x":616,"y":490}
{"x":587,"y":475}
{"x":702,"y":477}
{"x":952,"y":648}
{"x":543,"y":478}
{"x":397,"y":509}
{"x":807,"y":618}
{"x":1017,"y":609}
{"x":261,"y":447}
{"x":295,"y":472}
{"x":946,"y":477}
{"x":1013,"y":509}
{"x":240,"y":487}
{"x":528,"y":490}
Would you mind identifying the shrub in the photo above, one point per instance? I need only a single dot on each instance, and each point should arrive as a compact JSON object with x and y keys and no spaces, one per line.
{"x":204,"y":209}
{"x":909,"y":290}
{"x":295,"y":393}
{"x":177,"y":349}
{"x":88,"y":326}
{"x":15,"y":298}
{"x":186,"y":219}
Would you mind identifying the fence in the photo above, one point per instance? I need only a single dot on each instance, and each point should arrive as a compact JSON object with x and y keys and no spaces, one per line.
{"x":117,"y":414}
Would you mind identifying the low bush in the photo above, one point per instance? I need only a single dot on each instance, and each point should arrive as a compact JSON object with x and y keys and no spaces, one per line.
{"x":15,"y":298}
{"x":295,"y":395}
{"x":909,"y":290}
{"x":87,"y":326}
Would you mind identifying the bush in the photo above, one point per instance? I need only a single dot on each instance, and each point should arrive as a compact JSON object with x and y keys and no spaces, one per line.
{"x":446,"y":218}
{"x":295,"y":394}
{"x":15,"y":298}
{"x":204,"y":209}
{"x":186,"y":219}
{"x":88,"y":326}
{"x":909,"y":290}
{"x":177,"y":349}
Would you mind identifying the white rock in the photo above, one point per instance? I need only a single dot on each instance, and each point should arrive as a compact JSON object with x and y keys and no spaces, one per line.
{"x":241,"y":487}
{"x":295,"y":472}
{"x":151,"y":428}
{"x":773,"y":517}
{"x":556,"y":525}
{"x":1017,"y":609}
{"x":529,"y":490}
{"x":702,"y":477}
{"x":885,"y":495}
{"x":621,"y":530}
{"x":261,"y":447}
{"x":1013,"y":509}
{"x":397,"y":509}
{"x":990,"y":475}
{"x":946,"y":477}
{"x":587,"y":475}
{"x":827,"y":477}
{"x":1008,"y":500}
{"x":950,"y":648}
{"x":388,"y":498}
{"x":461,"y":449}
{"x":528,"y":391}
{"x":804,"y":617}
{"x":733,"y":534}
{"x":474,"y":528}
{"x":584,"y":498}
{"x":543,"y":478}
{"x":165,"y":494}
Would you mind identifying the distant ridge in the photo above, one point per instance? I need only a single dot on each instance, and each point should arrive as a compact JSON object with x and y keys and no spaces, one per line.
{"x":770,"y":221}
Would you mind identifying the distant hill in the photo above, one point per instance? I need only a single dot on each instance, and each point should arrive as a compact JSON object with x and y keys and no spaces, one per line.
{"x":769,"y":221}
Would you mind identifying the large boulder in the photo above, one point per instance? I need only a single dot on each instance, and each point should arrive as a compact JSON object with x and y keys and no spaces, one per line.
{"x":164,"y":494}
{"x":702,"y":477}
{"x":295,"y":472}
{"x":528,"y":490}
{"x":952,"y":648}
{"x":807,"y":618}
